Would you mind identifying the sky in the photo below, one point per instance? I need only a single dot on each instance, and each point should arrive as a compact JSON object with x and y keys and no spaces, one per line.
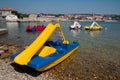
{"x":63,"y":6}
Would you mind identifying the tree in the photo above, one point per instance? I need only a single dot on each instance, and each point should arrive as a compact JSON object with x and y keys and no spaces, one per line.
{"x":19,"y":15}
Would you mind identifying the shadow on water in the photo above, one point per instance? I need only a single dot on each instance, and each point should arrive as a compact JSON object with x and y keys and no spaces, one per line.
{"x":26,"y":69}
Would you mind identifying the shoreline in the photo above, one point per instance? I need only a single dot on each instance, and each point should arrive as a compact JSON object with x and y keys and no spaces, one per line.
{"x":58,"y":20}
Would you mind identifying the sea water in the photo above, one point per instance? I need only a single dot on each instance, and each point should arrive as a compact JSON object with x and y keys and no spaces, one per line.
{"x":97,"y":57}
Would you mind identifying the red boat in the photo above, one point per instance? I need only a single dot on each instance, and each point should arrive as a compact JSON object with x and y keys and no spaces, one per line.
{"x":35,"y":28}
{"x":28,"y":28}
{"x":40,"y":28}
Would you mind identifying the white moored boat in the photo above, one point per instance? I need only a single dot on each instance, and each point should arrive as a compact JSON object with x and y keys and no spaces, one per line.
{"x":76,"y":25}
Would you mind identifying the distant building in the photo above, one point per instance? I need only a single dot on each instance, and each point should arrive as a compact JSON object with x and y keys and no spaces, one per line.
{"x":6,"y":11}
{"x":6,"y":14}
{"x":98,"y":17}
{"x":89,"y":18}
{"x":33,"y":17}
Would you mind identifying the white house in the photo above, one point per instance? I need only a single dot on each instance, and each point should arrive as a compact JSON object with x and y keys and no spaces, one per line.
{"x":6,"y":11}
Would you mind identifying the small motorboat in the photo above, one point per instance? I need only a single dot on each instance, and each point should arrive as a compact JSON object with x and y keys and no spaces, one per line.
{"x":94,"y":26}
{"x":76,"y":25}
{"x":44,"y":53}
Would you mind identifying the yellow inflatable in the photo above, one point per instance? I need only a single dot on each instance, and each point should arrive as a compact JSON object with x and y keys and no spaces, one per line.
{"x":94,"y":26}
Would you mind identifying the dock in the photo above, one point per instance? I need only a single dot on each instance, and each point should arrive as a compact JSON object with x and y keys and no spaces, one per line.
{"x":3,"y":31}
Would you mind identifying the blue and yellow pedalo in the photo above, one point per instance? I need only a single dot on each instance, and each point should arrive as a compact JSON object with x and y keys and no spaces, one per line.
{"x":43,"y":54}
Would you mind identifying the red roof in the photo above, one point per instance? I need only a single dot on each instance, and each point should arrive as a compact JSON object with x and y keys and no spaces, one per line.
{"x":7,"y":9}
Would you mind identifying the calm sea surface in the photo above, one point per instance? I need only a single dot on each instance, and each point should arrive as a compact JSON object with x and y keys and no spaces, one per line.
{"x":98,"y":55}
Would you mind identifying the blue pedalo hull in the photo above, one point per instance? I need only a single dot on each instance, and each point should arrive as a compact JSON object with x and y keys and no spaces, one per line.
{"x":38,"y":62}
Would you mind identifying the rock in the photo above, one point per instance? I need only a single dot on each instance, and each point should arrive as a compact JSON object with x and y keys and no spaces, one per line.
{"x":1,"y":47}
{"x":25,"y":47}
{"x":1,"y":51}
{"x":12,"y":50}
{"x":18,"y":37}
{"x":5,"y":55}
{"x":1,"y":43}
{"x":5,"y":48}
{"x":10,"y":44}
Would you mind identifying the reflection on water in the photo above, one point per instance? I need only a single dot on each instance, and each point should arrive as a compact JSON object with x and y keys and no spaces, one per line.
{"x":17,"y":33}
{"x":93,"y":33}
{"x":12,"y":27}
{"x":76,"y":32}
{"x":12,"y":24}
